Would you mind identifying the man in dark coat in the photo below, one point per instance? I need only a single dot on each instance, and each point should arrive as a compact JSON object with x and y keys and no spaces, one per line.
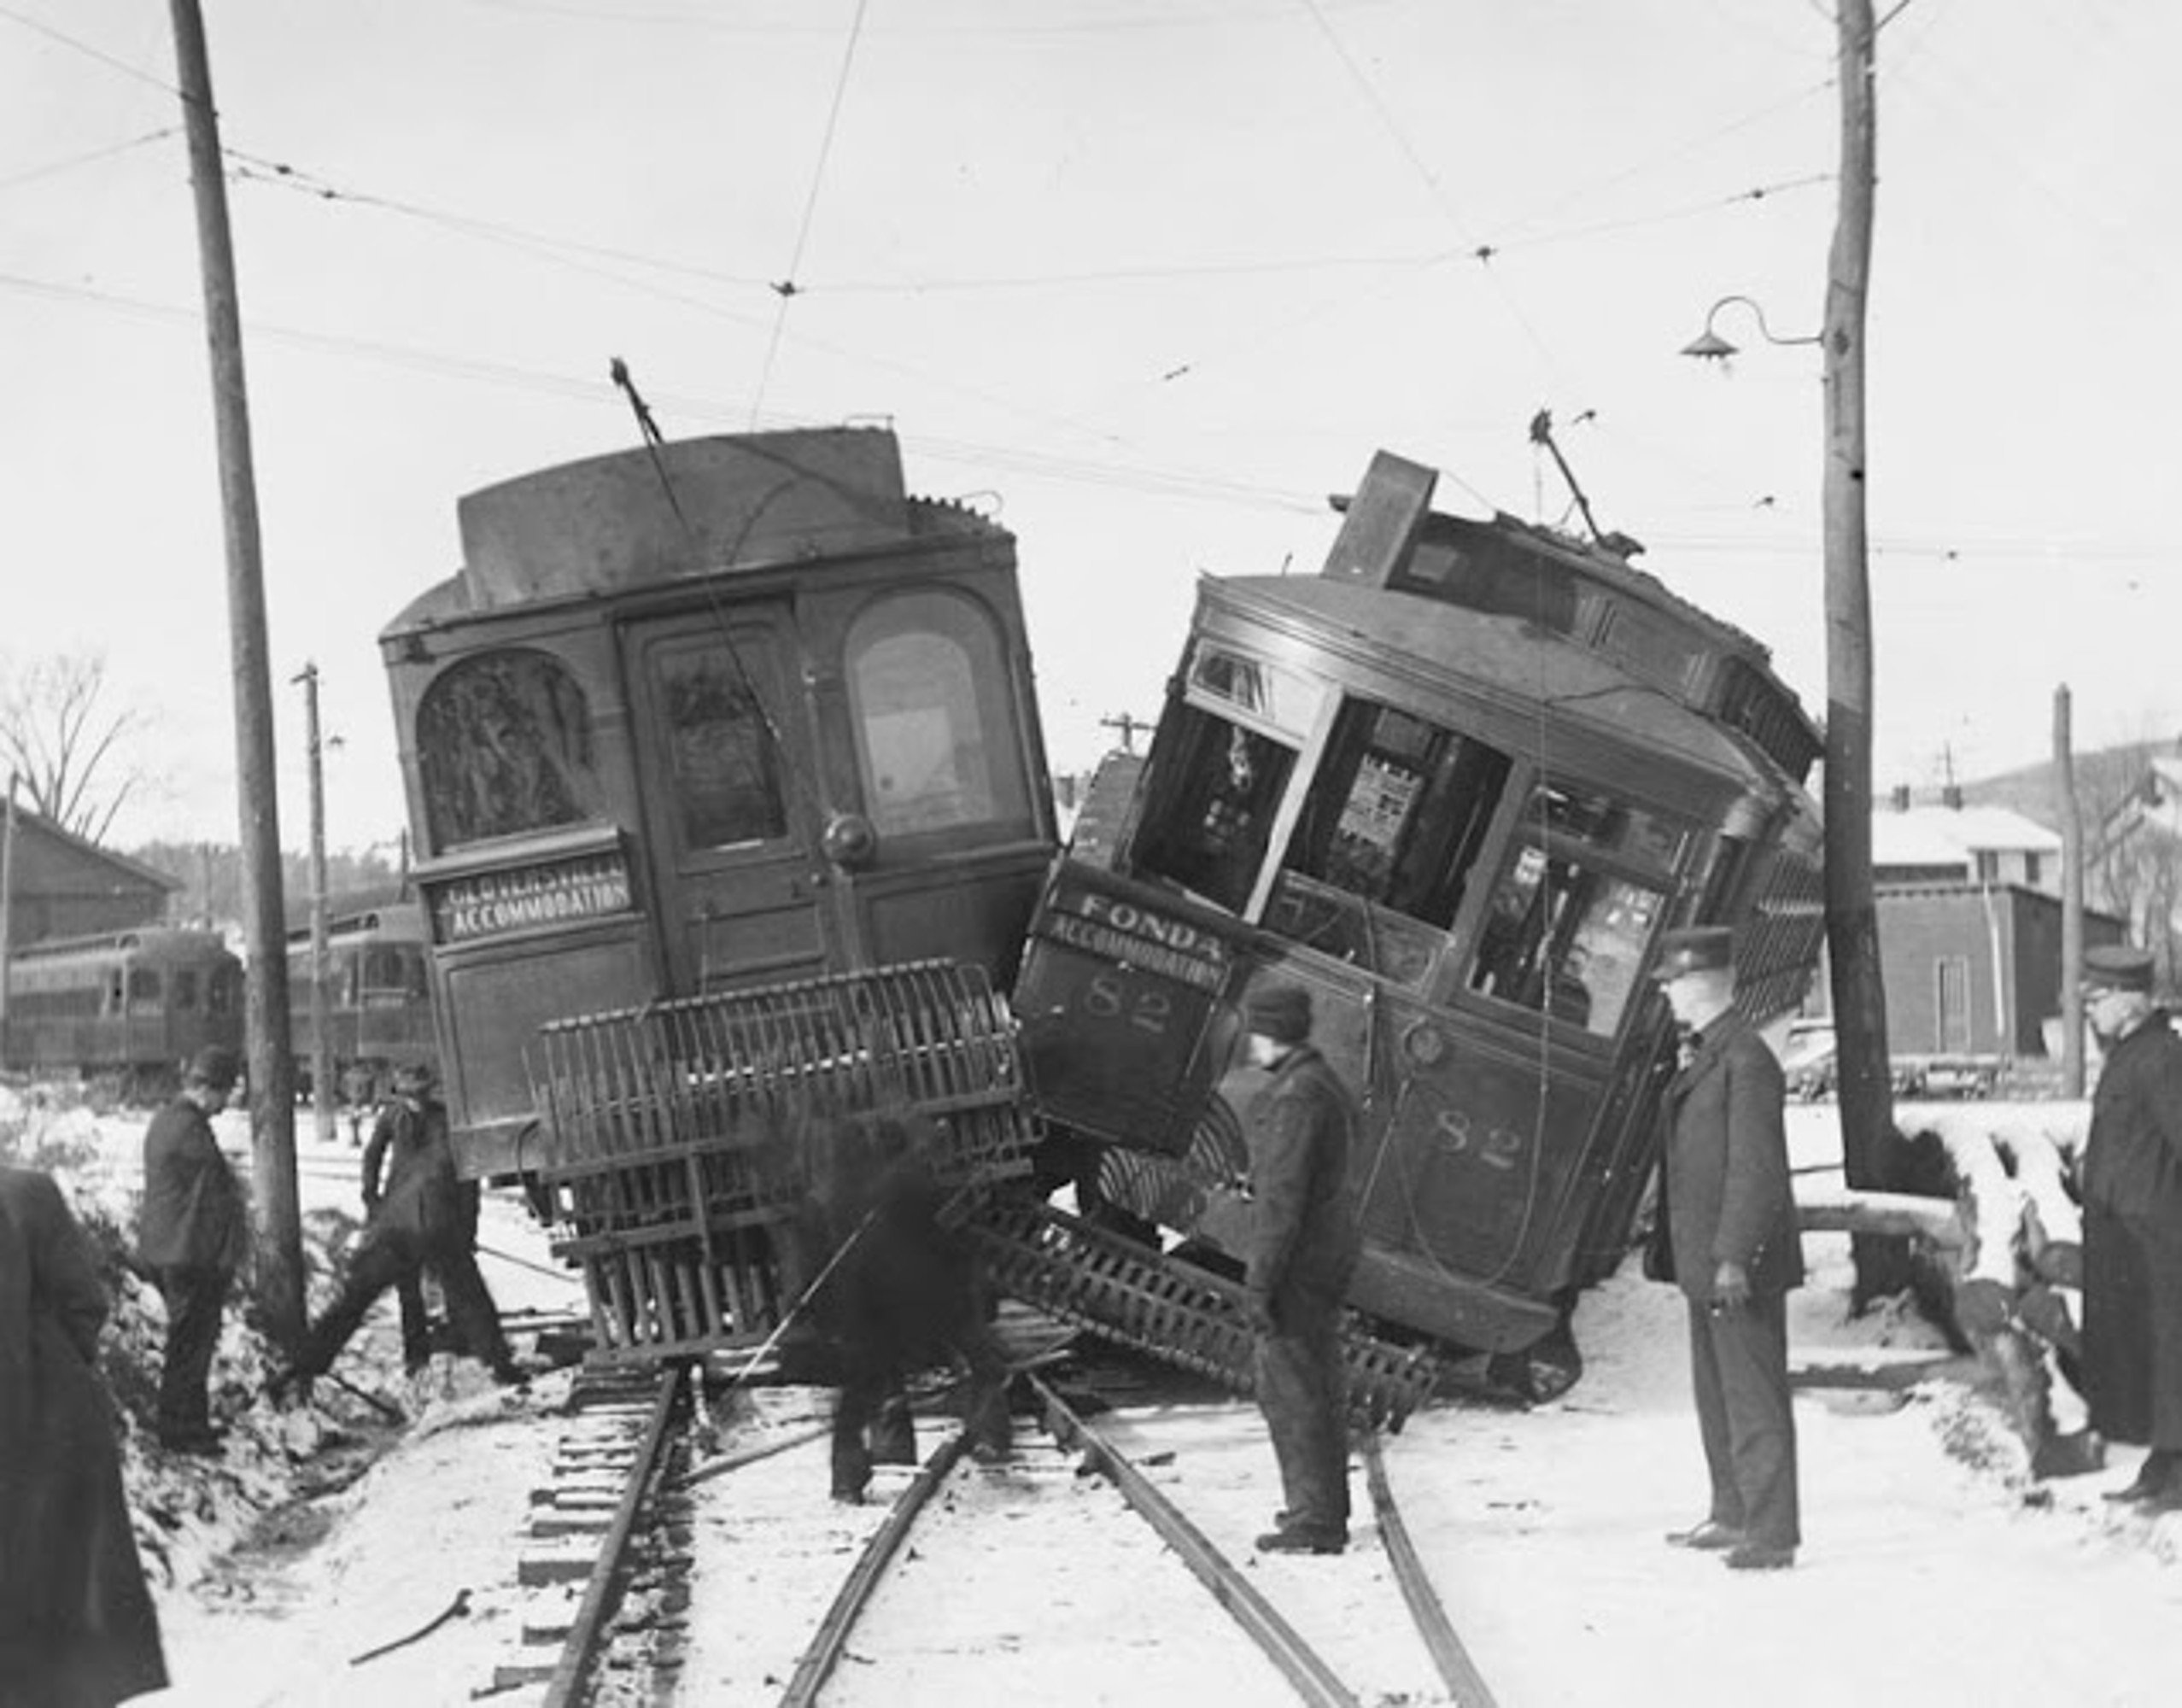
{"x":1731,"y":1227}
{"x":76,"y":1625}
{"x":1304,"y":1240}
{"x":425,"y":1220}
{"x":2133,"y":1225}
{"x":193,"y":1235}
{"x":900,"y":1295}
{"x":397,"y":1151}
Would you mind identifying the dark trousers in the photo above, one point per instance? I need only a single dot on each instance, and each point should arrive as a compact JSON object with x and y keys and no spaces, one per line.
{"x":194,"y":1296}
{"x":1303,"y":1391}
{"x":388,"y":1259}
{"x":1738,"y":1369}
{"x":872,"y":1394}
{"x":2132,"y":1326}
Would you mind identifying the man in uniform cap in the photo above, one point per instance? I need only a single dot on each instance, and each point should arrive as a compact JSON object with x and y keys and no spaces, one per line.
{"x":193,"y":1235}
{"x":1303,"y":1248}
{"x":1729,"y":1223}
{"x":425,"y":1219}
{"x":2133,"y":1224}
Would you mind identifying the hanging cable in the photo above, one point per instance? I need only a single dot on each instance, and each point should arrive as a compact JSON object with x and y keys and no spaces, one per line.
{"x":787,"y":288}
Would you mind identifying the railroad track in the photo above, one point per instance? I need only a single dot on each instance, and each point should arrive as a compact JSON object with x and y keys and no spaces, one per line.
{"x":1071,"y":1565}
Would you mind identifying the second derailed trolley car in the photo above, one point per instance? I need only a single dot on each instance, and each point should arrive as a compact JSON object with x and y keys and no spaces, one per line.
{"x":726,"y":767}
{"x":1456,"y":786}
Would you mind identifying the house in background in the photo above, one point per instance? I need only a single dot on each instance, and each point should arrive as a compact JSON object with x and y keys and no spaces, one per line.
{"x":1969,"y":900}
{"x":60,"y":885}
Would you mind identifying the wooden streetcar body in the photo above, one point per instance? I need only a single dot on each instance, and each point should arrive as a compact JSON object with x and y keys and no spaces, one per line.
{"x":711,"y":746}
{"x":1455,"y":786}
{"x":378,"y":999}
{"x":137,"y":1003}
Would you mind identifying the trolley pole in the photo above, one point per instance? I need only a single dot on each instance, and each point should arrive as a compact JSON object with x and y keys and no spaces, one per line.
{"x":322,"y":1085}
{"x":272,"y":1103}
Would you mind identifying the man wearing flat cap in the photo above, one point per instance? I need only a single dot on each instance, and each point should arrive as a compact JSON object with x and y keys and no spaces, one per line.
{"x":2133,"y":1224}
{"x":1303,"y":1248}
{"x":1731,"y":1227}
{"x":193,"y":1235}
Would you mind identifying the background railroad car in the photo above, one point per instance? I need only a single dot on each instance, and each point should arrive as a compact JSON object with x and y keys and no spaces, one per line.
{"x":129,"y":1006}
{"x":378,"y":998}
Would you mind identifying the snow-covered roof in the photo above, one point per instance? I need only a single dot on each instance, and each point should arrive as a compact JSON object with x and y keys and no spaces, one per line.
{"x":1950,"y":836}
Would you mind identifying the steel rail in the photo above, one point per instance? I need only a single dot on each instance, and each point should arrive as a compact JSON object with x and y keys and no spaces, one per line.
{"x":588,"y":1627}
{"x":1299,"y":1662}
{"x":826,"y":1649}
{"x":1457,"y":1670}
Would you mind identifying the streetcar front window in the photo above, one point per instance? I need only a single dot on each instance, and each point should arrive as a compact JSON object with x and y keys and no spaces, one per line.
{"x":722,"y":746}
{"x":937,"y":736}
{"x":1210,"y":804}
{"x":1387,"y":835}
{"x":1573,"y":915}
{"x":143,"y":988}
{"x":504,"y":745}
{"x":185,"y":989}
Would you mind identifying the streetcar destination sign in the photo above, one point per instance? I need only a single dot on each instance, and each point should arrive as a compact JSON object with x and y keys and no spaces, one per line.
{"x":489,"y":903}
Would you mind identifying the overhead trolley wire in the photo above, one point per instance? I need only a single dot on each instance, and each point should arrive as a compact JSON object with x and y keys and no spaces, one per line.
{"x":788,"y":287}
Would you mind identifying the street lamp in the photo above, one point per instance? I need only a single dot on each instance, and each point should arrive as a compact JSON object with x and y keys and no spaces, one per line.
{"x":1708,"y":346}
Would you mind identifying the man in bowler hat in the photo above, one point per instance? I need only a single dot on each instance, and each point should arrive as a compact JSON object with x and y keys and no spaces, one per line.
{"x":2133,"y":1224}
{"x":1303,"y":1248}
{"x":193,"y":1235}
{"x":1730,"y":1227}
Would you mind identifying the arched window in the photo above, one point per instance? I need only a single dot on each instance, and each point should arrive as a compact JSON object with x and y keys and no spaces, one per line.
{"x":937,"y":740}
{"x":503,"y":744}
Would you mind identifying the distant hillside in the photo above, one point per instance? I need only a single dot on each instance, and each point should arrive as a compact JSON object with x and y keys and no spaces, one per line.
{"x":2102,"y":777}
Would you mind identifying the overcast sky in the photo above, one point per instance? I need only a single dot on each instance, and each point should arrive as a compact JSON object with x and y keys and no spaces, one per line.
{"x":1151,"y":278}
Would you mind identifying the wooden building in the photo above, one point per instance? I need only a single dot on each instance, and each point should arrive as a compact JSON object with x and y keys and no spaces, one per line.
{"x":60,"y":885}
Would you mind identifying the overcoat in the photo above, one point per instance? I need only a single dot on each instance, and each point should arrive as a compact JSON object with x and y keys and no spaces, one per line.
{"x":77,"y":1625}
{"x":194,"y":1216}
{"x":1304,"y":1237}
{"x":2132,"y":1239}
{"x":423,"y":1196}
{"x":1728,"y":1189}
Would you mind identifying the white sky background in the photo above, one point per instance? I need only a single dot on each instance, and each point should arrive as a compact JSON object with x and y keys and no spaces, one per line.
{"x":1159,"y":274}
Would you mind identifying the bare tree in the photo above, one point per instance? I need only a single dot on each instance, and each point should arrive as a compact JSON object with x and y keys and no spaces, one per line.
{"x":61,"y":736}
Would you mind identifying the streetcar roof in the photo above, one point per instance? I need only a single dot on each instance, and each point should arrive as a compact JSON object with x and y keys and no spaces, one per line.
{"x":1503,"y":662}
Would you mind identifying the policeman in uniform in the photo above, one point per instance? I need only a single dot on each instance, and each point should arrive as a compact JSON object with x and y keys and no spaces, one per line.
{"x":1730,"y":1226}
{"x":1303,"y":1248}
{"x":2133,"y":1224}
{"x":193,"y":1235}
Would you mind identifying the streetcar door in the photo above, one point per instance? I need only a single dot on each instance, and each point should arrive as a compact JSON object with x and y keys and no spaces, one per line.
{"x":724,"y":763}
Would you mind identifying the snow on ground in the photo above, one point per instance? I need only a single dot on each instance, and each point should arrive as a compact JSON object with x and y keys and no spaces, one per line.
{"x":1933,"y":1570}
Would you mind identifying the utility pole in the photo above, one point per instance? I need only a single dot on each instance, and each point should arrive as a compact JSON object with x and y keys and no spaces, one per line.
{"x":6,"y":902}
{"x":2071,"y":812}
{"x":322,"y":1087}
{"x":272,"y":1103}
{"x":1867,"y":1095}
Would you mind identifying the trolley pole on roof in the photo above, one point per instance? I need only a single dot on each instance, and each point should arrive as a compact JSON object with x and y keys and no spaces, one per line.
{"x":273,"y":1105}
{"x":322,"y":1085}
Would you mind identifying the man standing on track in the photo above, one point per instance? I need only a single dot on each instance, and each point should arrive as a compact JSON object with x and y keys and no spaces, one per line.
{"x":426,"y":1218}
{"x":1730,"y":1222}
{"x":2133,"y":1225}
{"x":1303,"y":1249}
{"x":193,"y":1236}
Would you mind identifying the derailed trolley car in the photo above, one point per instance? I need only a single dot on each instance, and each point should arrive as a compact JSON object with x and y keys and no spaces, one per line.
{"x":724,"y":764}
{"x":1455,"y":785}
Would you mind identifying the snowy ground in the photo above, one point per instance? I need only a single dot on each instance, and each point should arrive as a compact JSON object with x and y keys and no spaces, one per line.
{"x":1933,"y":1570}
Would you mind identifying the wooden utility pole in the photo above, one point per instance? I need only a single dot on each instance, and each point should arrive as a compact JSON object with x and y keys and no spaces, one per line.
{"x":1867,"y":1096}
{"x":2071,"y":813}
{"x":322,"y":1085}
{"x":273,"y":1103}
{"x":6,"y":902}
